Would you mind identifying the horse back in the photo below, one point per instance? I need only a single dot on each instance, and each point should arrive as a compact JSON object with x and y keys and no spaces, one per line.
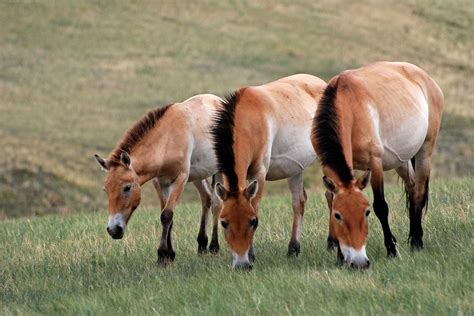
{"x":274,"y":121}
{"x":391,"y":109}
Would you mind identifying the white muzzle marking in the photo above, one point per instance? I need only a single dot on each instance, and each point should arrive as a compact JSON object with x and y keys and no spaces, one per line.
{"x":357,"y":257}
{"x":241,"y":261}
{"x":116,"y":220}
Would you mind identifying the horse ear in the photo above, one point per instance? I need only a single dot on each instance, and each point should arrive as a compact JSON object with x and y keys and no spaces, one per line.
{"x":329,"y":184}
{"x":104,"y":164}
{"x":221,"y":192}
{"x":125,"y":159}
{"x":363,"y":180}
{"x":251,"y":190}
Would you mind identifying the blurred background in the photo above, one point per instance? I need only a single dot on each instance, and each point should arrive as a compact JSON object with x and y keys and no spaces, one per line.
{"x":75,"y":75}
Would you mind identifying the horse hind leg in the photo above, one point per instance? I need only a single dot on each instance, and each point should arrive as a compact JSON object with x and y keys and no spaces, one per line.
{"x":420,"y":199}
{"x":298,"y":202}
{"x":204,"y":192}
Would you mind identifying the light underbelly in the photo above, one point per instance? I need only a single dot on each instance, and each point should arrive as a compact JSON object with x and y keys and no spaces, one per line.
{"x":402,"y":145}
{"x":203,"y":165}
{"x":402,"y":128}
{"x":285,"y":164}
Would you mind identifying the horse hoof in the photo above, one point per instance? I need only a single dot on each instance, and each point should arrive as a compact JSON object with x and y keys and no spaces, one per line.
{"x":391,"y":251}
{"x":202,"y":244}
{"x":165,"y":256}
{"x":332,"y":244}
{"x":293,"y":248}
{"x":214,"y":248}
{"x":251,"y":258}
{"x":416,"y":244}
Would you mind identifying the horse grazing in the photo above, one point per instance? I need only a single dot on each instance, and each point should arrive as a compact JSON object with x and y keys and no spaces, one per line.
{"x":263,"y":133}
{"x":172,"y":146}
{"x":379,"y":117}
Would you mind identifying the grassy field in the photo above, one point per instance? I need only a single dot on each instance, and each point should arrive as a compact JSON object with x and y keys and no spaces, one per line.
{"x":68,"y":265}
{"x":74,"y":75}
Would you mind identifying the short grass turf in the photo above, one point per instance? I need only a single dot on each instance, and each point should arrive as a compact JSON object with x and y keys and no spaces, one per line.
{"x":68,"y":265}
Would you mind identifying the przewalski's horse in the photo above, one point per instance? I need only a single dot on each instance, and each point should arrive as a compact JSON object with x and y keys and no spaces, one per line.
{"x":379,"y":117}
{"x":172,"y":146}
{"x":263,"y":133}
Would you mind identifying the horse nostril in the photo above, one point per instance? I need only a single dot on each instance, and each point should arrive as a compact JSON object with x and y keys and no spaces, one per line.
{"x":352,"y":265}
{"x":367,"y":264}
{"x":108,"y":230}
{"x":119,"y":229}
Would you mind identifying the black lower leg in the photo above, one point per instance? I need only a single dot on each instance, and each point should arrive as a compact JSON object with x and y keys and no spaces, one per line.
{"x":171,"y":253}
{"x":416,"y":213}
{"x":202,"y":238}
{"x":251,"y":254}
{"x":214,"y":245}
{"x":340,"y":257}
{"x":381,"y":210}
{"x":416,"y":230}
{"x":332,"y":243}
{"x":165,"y":250}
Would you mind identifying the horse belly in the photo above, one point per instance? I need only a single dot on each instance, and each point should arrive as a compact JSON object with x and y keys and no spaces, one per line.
{"x":203,"y":163}
{"x":402,"y":145}
{"x":291,"y":154}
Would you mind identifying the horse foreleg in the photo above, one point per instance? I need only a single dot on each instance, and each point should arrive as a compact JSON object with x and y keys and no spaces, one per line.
{"x":165,"y":250}
{"x":162,"y":195}
{"x":216,"y":206}
{"x":332,"y":243}
{"x":260,"y":177}
{"x":204,"y":192}
{"x":381,"y":207}
{"x":298,"y":202}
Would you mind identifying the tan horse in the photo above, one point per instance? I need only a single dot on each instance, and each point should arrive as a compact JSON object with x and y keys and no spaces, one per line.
{"x":263,"y":133}
{"x":172,"y":146}
{"x":379,"y":117}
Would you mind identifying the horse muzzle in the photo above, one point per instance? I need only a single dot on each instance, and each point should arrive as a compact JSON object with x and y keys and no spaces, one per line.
{"x":355,"y":258}
{"x":116,"y":232}
{"x":116,"y":226}
{"x":241,"y":262}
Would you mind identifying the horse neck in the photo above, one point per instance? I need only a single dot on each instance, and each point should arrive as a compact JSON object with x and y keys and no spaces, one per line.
{"x":145,"y":158}
{"x":346,"y":120}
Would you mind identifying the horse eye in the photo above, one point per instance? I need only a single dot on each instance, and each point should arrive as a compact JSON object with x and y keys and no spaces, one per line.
{"x":338,"y":216}
{"x":253,"y":222}
{"x":225,"y":224}
{"x":127,"y":188}
{"x":367,"y":213}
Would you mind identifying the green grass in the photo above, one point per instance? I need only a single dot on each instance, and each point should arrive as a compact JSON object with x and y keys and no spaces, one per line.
{"x":68,"y":265}
{"x":74,"y":75}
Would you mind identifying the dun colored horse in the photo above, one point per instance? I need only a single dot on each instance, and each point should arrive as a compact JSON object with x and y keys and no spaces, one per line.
{"x":172,"y":146}
{"x":263,"y":133}
{"x":379,"y":117}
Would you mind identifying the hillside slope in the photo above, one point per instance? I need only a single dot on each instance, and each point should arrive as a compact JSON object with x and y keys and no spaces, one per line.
{"x":74,"y":76}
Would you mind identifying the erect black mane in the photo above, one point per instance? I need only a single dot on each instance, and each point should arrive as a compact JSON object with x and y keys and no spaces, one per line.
{"x":222,"y":133}
{"x":136,"y":133}
{"x":326,"y":133}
